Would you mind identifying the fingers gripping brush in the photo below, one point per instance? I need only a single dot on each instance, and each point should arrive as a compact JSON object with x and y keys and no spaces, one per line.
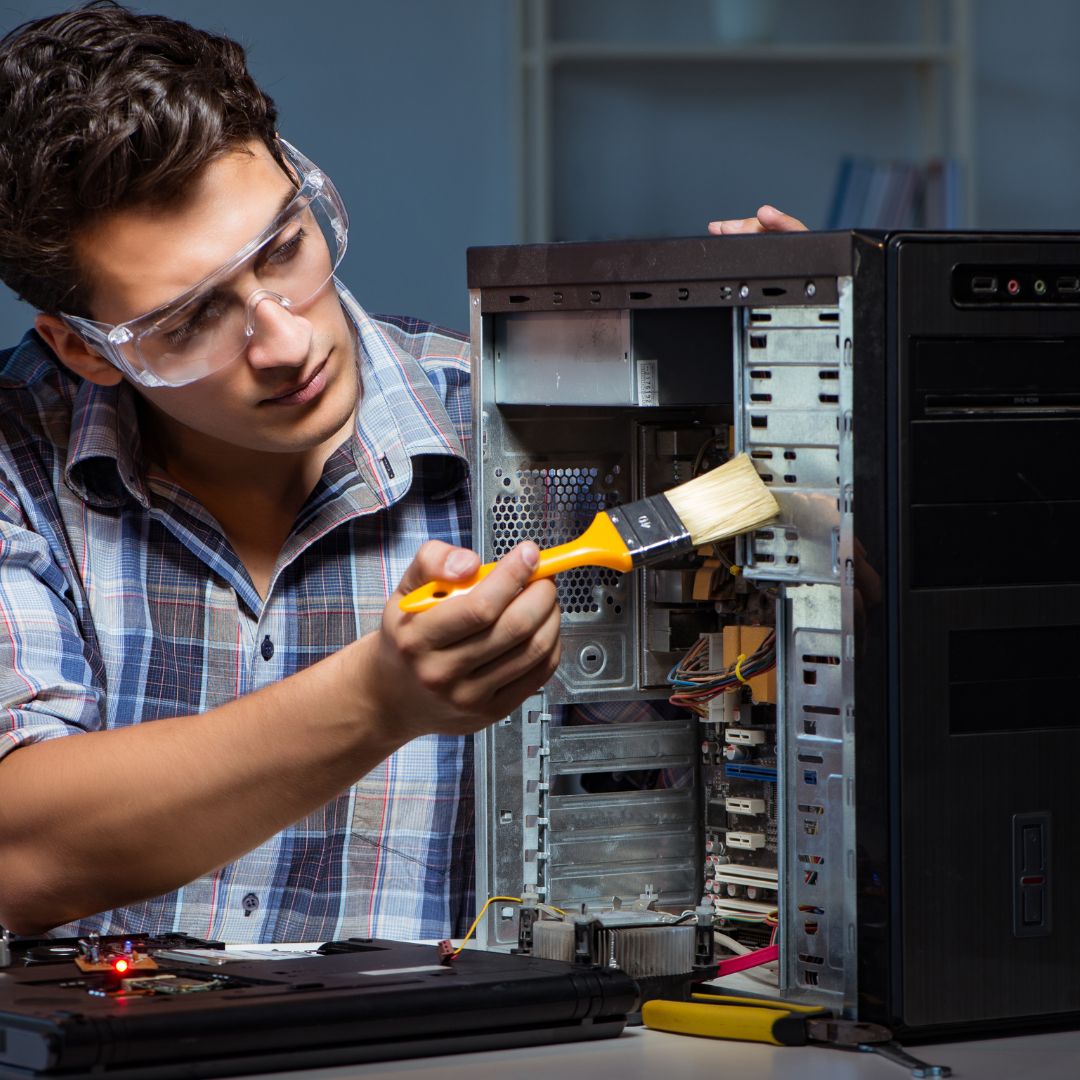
{"x":723,"y":502}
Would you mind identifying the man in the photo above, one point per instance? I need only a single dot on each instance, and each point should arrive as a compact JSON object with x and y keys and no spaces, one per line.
{"x":218,"y":474}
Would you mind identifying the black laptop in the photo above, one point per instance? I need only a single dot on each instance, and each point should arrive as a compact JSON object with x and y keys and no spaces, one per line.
{"x":165,"y":1008}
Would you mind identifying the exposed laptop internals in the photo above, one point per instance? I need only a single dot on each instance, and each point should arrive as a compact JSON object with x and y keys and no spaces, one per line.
{"x":164,"y":1013}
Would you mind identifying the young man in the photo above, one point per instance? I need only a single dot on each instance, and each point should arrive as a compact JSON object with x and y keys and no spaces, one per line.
{"x":217,"y":477}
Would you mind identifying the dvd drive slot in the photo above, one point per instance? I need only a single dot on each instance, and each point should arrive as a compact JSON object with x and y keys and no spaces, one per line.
{"x":1007,"y":404}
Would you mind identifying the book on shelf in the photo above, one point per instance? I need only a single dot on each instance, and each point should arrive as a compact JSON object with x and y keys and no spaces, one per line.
{"x":872,"y":193}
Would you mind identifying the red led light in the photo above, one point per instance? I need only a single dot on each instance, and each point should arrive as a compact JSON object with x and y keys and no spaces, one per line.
{"x":121,"y":966}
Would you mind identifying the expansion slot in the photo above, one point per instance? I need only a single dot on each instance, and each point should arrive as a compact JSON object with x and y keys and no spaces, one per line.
{"x":763,"y":877}
{"x":741,"y":771}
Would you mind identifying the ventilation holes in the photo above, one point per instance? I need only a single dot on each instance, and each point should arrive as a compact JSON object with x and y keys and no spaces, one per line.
{"x":552,"y":506}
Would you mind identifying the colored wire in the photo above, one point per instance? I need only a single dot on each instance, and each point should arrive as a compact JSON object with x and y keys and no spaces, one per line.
{"x":476,"y":922}
{"x":694,"y":685}
{"x":491,"y":900}
{"x":765,"y":974}
{"x":755,"y":958}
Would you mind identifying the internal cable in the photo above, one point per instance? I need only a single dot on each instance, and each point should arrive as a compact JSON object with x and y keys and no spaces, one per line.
{"x":491,"y":900}
{"x":694,"y":685}
{"x":476,"y":922}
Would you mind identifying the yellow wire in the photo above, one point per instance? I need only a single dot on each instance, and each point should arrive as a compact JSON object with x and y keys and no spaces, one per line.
{"x":476,"y":921}
{"x":738,"y":665}
{"x":492,"y":900}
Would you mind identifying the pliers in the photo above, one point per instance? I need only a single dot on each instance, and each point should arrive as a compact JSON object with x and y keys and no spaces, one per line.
{"x":781,"y":1023}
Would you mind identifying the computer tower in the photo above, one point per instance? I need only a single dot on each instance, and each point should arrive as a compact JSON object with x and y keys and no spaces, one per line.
{"x":897,"y":794}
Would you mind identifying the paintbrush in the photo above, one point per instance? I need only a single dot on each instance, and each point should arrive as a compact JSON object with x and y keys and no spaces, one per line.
{"x":723,"y":502}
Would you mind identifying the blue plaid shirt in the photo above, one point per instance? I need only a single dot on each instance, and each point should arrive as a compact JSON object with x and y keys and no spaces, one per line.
{"x":122,"y":602}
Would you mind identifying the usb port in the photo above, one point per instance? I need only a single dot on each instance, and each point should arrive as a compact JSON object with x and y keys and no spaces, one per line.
{"x":1068,"y":284}
{"x":984,"y":284}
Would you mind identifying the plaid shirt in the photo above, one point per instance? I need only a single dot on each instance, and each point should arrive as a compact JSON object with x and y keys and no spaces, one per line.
{"x":122,"y":602}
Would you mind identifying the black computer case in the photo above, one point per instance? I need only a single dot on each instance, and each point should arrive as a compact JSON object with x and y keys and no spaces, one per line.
{"x":902,"y":797}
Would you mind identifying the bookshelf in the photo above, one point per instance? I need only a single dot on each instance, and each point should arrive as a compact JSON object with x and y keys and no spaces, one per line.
{"x":806,"y":88}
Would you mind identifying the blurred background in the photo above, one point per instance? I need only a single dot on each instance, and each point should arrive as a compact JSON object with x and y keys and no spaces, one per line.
{"x":448,"y":124}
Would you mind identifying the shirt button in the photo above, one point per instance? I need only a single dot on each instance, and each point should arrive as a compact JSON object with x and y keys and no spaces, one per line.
{"x":266,"y":648}
{"x":250,"y":903}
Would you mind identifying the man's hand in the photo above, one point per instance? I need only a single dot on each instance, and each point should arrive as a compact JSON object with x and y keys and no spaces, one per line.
{"x":469,"y":660}
{"x":768,"y":219}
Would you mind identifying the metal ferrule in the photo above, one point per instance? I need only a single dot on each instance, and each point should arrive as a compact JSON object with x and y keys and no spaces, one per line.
{"x":651,"y":529}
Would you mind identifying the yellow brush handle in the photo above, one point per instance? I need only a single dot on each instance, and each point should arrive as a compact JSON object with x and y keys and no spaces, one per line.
{"x":599,"y":545}
{"x":721,"y":1021}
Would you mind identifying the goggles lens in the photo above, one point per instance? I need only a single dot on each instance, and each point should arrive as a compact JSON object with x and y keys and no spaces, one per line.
{"x":290,"y":264}
{"x":211,"y":328}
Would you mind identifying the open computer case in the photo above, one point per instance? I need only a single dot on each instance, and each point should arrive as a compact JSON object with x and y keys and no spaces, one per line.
{"x":897,"y":794}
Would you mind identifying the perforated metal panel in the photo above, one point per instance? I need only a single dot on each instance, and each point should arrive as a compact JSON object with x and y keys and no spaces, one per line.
{"x":552,"y":505}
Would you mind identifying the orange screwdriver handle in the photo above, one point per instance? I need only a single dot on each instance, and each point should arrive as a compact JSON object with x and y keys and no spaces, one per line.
{"x":599,"y":545}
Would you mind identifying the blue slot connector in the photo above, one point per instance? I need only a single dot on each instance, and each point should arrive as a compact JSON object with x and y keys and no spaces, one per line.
{"x":750,"y":772}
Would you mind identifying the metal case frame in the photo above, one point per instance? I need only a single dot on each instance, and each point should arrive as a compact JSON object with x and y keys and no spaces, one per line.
{"x":812,"y":380}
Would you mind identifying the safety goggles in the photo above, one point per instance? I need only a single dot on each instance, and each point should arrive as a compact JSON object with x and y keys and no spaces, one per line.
{"x":291,"y":261}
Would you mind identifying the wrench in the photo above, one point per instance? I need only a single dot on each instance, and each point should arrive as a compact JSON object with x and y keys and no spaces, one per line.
{"x":893,"y":1051}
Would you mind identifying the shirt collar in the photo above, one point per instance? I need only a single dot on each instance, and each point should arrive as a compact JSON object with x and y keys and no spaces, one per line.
{"x":401,"y":426}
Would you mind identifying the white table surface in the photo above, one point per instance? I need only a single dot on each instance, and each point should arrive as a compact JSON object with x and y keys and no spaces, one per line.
{"x":639,"y":1054}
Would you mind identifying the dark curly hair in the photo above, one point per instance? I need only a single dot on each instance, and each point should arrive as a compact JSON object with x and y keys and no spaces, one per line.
{"x":102,"y":109}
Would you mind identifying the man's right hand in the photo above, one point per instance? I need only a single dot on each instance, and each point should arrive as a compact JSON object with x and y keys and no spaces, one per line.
{"x":768,"y":219}
{"x":470,"y":660}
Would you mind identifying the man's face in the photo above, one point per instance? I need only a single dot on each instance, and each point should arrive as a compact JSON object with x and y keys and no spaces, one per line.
{"x":295,"y":386}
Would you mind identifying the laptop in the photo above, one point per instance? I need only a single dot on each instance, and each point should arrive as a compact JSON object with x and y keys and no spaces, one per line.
{"x":176,"y":1007}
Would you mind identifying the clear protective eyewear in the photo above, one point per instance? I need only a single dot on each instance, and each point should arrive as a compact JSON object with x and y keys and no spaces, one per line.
{"x":211,"y":324}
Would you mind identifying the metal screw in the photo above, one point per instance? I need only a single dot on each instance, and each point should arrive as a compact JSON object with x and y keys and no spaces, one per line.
{"x":811,"y":289}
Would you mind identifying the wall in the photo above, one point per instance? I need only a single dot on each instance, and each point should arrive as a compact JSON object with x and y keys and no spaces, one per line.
{"x":1027,"y":113}
{"x":410,"y":106}
{"x":404,"y":103}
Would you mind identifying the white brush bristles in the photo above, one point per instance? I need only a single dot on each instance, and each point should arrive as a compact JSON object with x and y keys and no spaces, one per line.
{"x":723,"y":502}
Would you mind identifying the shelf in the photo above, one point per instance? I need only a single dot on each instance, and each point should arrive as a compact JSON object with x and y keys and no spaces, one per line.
{"x":579,"y":52}
{"x":922,"y":72}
